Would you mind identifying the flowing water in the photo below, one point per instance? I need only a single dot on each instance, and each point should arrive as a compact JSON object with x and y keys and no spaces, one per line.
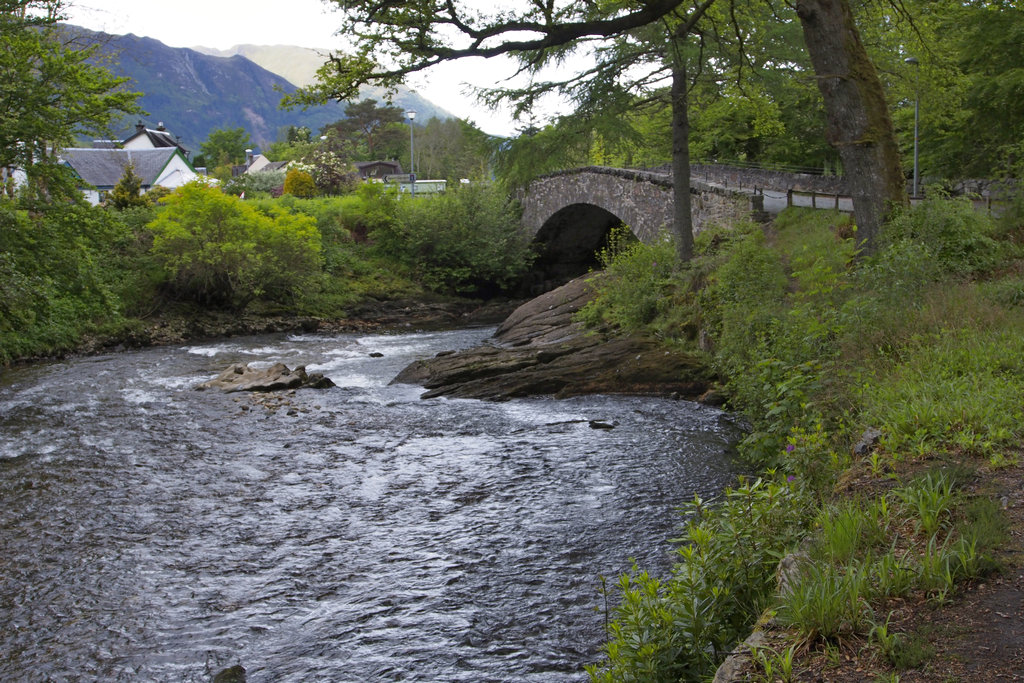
{"x":151,"y":532}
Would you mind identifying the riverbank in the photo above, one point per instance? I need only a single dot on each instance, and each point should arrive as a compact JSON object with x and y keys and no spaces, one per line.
{"x":189,"y":324}
{"x":886,"y":396}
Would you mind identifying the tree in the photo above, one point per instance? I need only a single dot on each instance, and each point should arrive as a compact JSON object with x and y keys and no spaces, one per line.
{"x":50,"y":90}
{"x":640,"y":45}
{"x":126,"y":194}
{"x":858,"y":114}
{"x":225,"y":146}
{"x":368,"y":127}
{"x":299,"y":183}
{"x":452,"y":149}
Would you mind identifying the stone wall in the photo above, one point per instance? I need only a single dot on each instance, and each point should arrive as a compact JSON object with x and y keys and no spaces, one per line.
{"x":641,"y":199}
{"x":780,"y":181}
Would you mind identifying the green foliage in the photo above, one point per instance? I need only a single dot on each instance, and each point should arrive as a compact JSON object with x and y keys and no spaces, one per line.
{"x":959,"y":390}
{"x":681,"y":627}
{"x":828,"y":602}
{"x":634,"y":284}
{"x":299,"y":183}
{"x":53,"y":91}
{"x":452,"y":149}
{"x":371,"y":131}
{"x":929,"y":500}
{"x":921,"y":340}
{"x":777,"y":666}
{"x":58,"y":276}
{"x":466,"y":240}
{"x":126,"y":194}
{"x":958,"y":237}
{"x":225,"y":146}
{"x":253,"y":184}
{"x":218,"y":250}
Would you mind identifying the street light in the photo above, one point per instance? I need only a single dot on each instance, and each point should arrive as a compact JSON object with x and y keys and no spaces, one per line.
{"x":917,"y":112}
{"x":412,"y":153}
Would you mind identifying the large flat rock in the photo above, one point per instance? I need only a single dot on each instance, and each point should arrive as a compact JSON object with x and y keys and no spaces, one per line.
{"x":539,"y":350}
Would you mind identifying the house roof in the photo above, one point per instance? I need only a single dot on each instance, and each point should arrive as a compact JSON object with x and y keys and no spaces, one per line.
{"x":157,"y":138}
{"x":367,"y":164}
{"x":102,"y":168}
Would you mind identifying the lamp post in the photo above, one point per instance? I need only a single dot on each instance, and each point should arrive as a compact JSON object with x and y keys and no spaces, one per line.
{"x":412,"y":152}
{"x":917,"y":113}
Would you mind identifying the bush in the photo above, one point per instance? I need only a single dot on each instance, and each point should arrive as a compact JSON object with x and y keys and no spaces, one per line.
{"x":959,"y":237}
{"x":635,"y":284}
{"x":299,"y":184}
{"x":682,"y":627}
{"x":465,"y":241}
{"x":125,"y":194}
{"x":252,"y":184}
{"x":59,"y":272}
{"x":217,"y":250}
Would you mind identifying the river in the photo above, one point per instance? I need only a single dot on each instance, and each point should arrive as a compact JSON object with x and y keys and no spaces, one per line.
{"x":151,"y":532}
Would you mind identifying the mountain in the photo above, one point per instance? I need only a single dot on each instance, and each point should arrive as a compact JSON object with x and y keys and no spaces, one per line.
{"x":194,"y":93}
{"x":298,"y":65}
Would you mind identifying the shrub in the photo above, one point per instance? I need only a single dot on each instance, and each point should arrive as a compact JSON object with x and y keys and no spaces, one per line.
{"x":959,"y":238}
{"x":59,"y":272}
{"x":465,"y":241}
{"x":681,"y":628}
{"x":126,"y":193}
{"x":252,"y":184}
{"x":299,"y":183}
{"x":636,"y":282}
{"x":216,"y":249}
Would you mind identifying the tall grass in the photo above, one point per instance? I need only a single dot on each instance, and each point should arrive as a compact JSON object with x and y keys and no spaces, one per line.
{"x":815,"y":343}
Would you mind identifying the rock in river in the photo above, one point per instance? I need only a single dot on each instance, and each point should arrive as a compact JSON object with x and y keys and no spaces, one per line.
{"x":540,"y":349}
{"x":240,"y":377}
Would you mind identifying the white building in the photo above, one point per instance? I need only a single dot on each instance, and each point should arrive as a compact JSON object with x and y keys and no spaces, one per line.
{"x":101,"y":169}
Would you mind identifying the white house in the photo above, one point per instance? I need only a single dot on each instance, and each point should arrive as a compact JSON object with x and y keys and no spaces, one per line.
{"x":259,"y":163}
{"x":101,"y":169}
{"x":149,"y":138}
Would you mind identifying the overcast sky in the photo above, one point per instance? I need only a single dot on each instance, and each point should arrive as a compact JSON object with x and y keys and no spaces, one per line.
{"x":308,"y":23}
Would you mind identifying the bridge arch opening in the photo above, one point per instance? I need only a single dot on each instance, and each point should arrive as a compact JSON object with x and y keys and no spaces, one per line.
{"x":567,"y":244}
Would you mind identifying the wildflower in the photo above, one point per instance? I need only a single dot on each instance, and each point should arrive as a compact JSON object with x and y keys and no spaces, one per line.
{"x":790,"y":448}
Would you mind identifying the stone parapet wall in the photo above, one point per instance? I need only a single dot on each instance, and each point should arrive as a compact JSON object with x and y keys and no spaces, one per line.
{"x":767,"y":179}
{"x":640,"y":198}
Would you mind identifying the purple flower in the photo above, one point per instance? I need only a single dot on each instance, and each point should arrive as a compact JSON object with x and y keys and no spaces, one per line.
{"x":790,"y":448}
{"x":790,"y":479}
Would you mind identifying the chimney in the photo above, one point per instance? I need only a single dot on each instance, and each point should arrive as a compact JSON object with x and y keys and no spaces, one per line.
{"x":248,"y":158}
{"x":140,"y":126}
{"x":160,"y":127}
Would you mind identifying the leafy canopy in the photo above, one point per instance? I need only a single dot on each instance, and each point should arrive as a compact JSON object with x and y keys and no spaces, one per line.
{"x":51,"y":92}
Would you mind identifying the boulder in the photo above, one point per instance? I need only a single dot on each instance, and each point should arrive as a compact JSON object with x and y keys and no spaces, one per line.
{"x":240,"y":377}
{"x":540,"y":349}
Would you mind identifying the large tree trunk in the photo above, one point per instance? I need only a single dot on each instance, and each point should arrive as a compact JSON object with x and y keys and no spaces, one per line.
{"x":858,"y":115}
{"x":683,"y":219}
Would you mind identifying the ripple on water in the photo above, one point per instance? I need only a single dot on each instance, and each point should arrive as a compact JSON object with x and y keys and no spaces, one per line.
{"x":153,"y":532}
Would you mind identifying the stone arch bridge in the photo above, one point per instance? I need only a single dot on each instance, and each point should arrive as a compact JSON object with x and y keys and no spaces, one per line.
{"x":571,"y":213}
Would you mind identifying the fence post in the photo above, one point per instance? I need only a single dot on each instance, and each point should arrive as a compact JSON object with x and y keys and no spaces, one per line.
{"x":814,"y":200}
{"x":836,"y":207}
{"x":789,"y":197}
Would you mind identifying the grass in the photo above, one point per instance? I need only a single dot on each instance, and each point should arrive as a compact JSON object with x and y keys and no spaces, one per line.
{"x":920,"y":341}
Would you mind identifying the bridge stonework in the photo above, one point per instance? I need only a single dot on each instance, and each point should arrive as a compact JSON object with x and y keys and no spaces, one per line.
{"x":640,"y":199}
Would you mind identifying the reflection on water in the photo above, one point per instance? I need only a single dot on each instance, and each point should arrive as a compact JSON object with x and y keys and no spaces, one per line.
{"x":152,"y":532}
